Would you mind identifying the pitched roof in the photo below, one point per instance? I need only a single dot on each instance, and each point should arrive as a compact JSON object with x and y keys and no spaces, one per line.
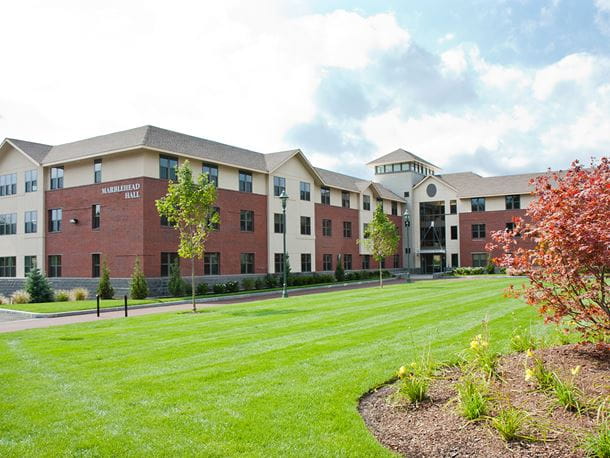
{"x":399,"y":155}
{"x":339,"y":180}
{"x":469,"y":184}
{"x":36,"y":151}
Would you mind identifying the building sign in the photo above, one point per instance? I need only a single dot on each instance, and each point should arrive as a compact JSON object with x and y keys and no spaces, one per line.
{"x":131,"y":190}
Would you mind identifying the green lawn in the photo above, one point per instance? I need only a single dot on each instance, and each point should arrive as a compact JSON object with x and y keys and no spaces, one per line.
{"x":272,"y":378}
{"x":71,"y":306}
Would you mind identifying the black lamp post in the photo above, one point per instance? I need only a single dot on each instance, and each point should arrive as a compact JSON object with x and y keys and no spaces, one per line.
{"x":407,"y":217}
{"x":284,"y":198}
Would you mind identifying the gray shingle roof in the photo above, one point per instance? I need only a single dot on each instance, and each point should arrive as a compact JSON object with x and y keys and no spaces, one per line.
{"x":354,"y":184}
{"x":399,"y":155}
{"x":36,"y":151}
{"x":469,"y":184}
{"x":274,"y":160}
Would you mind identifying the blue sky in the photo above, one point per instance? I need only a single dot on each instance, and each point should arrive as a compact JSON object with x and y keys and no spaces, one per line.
{"x":491,"y":86}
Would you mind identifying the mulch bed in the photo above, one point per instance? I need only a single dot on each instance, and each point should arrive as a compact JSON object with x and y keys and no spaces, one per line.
{"x":435,"y":429}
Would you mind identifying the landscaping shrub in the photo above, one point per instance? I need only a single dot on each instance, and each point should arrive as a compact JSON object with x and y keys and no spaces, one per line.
{"x":598,"y":445}
{"x":509,"y":422}
{"x":271,"y":281}
{"x":79,"y":294}
{"x":187,"y":288}
{"x":219,"y":288}
{"x":4,"y":300}
{"x":339,"y":272}
{"x":175,"y":286}
{"x":523,"y":340}
{"x":201,"y":289}
{"x":469,"y":271}
{"x":247,"y":284}
{"x":482,"y":357}
{"x":232,"y":286}
{"x":490,"y":268}
{"x":37,"y":285}
{"x":259,"y":283}
{"x":62,"y":295}
{"x":20,"y":297}
{"x":105,"y":289}
{"x":415,"y":379}
{"x":138,"y":288}
{"x":473,"y":397}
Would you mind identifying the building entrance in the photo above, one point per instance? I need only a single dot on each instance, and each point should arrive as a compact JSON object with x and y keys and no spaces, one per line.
{"x":433,"y":263}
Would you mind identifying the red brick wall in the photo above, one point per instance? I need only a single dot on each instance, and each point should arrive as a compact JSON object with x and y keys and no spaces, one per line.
{"x":336,"y":244}
{"x":493,"y":220}
{"x":131,"y":227}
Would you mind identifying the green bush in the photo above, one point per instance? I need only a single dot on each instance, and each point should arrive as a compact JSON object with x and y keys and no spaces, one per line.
{"x":247,"y":284}
{"x":187,"y":288}
{"x":62,"y":295}
{"x":473,"y":397}
{"x":138,"y":288}
{"x":259,"y":283}
{"x":339,"y":272}
{"x":232,"y":286}
{"x":38,"y":287}
{"x":490,"y":268}
{"x":469,"y":270}
{"x":104,"y":288}
{"x":219,"y":288}
{"x":175,"y":285}
{"x":271,"y":281}
{"x":201,"y":289}
{"x":510,"y":422}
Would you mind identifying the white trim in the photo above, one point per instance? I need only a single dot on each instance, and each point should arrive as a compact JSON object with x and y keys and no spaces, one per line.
{"x":6,"y":140}
{"x":440,"y":180}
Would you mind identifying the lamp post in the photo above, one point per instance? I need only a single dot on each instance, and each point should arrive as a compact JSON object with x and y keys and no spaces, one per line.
{"x":407,"y":217}
{"x":284,"y":198}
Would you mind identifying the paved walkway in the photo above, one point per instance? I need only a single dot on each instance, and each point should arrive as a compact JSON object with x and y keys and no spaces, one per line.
{"x":13,"y":322}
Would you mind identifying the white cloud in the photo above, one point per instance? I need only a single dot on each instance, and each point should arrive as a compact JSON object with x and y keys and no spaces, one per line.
{"x":445,"y":38}
{"x":576,"y":68}
{"x":454,"y":61}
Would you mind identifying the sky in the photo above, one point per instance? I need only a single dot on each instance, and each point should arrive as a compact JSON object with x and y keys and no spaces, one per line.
{"x":492,"y":86}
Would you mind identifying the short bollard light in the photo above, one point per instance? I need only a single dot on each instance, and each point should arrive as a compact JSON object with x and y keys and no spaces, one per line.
{"x":125,"y":297}
{"x":97,"y":298}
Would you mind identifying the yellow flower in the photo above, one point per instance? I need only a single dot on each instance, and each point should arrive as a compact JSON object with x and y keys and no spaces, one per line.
{"x":474,"y":344}
{"x":402,"y":371}
{"x":529,"y":373}
{"x":575,"y":370}
{"x":529,"y":353}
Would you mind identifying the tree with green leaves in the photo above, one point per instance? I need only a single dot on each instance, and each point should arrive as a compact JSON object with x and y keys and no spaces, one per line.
{"x":381,"y":238}
{"x":105,"y":289}
{"x":38,"y":287}
{"x":189,"y":207}
{"x":138,"y":288}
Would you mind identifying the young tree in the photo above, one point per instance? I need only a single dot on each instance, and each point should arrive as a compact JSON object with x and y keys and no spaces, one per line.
{"x":339,"y":271}
{"x":138,"y":288}
{"x":105,"y":289}
{"x":189,"y":207}
{"x":568,"y":267}
{"x":381,"y":238}
{"x":38,"y":287}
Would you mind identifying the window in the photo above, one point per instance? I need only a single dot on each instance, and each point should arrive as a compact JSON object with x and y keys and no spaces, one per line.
{"x":215,"y":226}
{"x":388,"y":168}
{"x":278,"y":223}
{"x":96,"y":211}
{"x":347,"y":229}
{"x":57,"y":177}
{"x":247,"y":263}
{"x":55,"y":220}
{"x":279,"y":185}
{"x":279,"y":263}
{"x":347,"y":262}
{"x":305,"y":225}
{"x":305,"y":191}
{"x":211,"y":264}
{"x":8,"y":184}
{"x":327,"y":262}
{"x":453,"y":207}
{"x":29,"y":263}
{"x":396,"y":261}
{"x":325,"y":195}
{"x":366,"y":202}
{"x":165,"y":222}
{"x":394,"y":208}
{"x":54,"y":269}
{"x":246,"y":221}
{"x":478,"y":231}
{"x":345,"y":199}
{"x":477,"y":204}
{"x":305,"y":262}
{"x":97,"y":171}
{"x":245,"y":181}
{"x":167,"y":259}
{"x":366,"y":262}
{"x":365,"y":230}
{"x":383,"y":263}
{"x":95,"y":265}
{"x":211,"y":171}
{"x":454,"y":260}
{"x":8,"y":266}
{"x":378,"y":169}
{"x":31,"y":181}
{"x":513,"y":202}
{"x":327,"y":227}
{"x":454,"y":232}
{"x":479,"y":259}
{"x":405,"y":194}
{"x":8,"y":224}
{"x":31,"y":222}
{"x":167,"y":167}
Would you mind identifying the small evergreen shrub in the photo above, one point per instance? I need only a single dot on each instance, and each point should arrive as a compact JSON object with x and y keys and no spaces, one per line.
{"x":201,"y":289}
{"x":339,"y":272}
{"x":490,"y":268}
{"x":20,"y":297}
{"x":79,"y":294}
{"x":219,"y":288}
{"x":37,"y":285}
{"x":469,"y":271}
{"x":247,"y":284}
{"x":175,"y":286}
{"x":232,"y":286}
{"x":105,"y":289}
{"x":138,"y":288}
{"x":187,"y":288}
{"x":259,"y":283}
{"x":62,"y":295}
{"x":271,"y":281}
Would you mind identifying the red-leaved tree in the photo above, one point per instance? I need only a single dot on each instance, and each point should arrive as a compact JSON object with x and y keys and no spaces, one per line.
{"x":569,"y":264}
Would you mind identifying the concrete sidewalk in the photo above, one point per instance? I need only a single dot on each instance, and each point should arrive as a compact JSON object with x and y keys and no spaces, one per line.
{"x":32,"y":323}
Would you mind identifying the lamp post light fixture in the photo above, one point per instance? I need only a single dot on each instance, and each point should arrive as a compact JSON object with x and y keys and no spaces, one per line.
{"x":284,"y":198}
{"x":407,"y":217}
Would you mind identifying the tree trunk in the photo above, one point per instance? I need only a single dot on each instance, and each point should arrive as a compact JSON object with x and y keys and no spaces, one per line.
{"x":193,"y":283}
{"x":380,"y":276}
